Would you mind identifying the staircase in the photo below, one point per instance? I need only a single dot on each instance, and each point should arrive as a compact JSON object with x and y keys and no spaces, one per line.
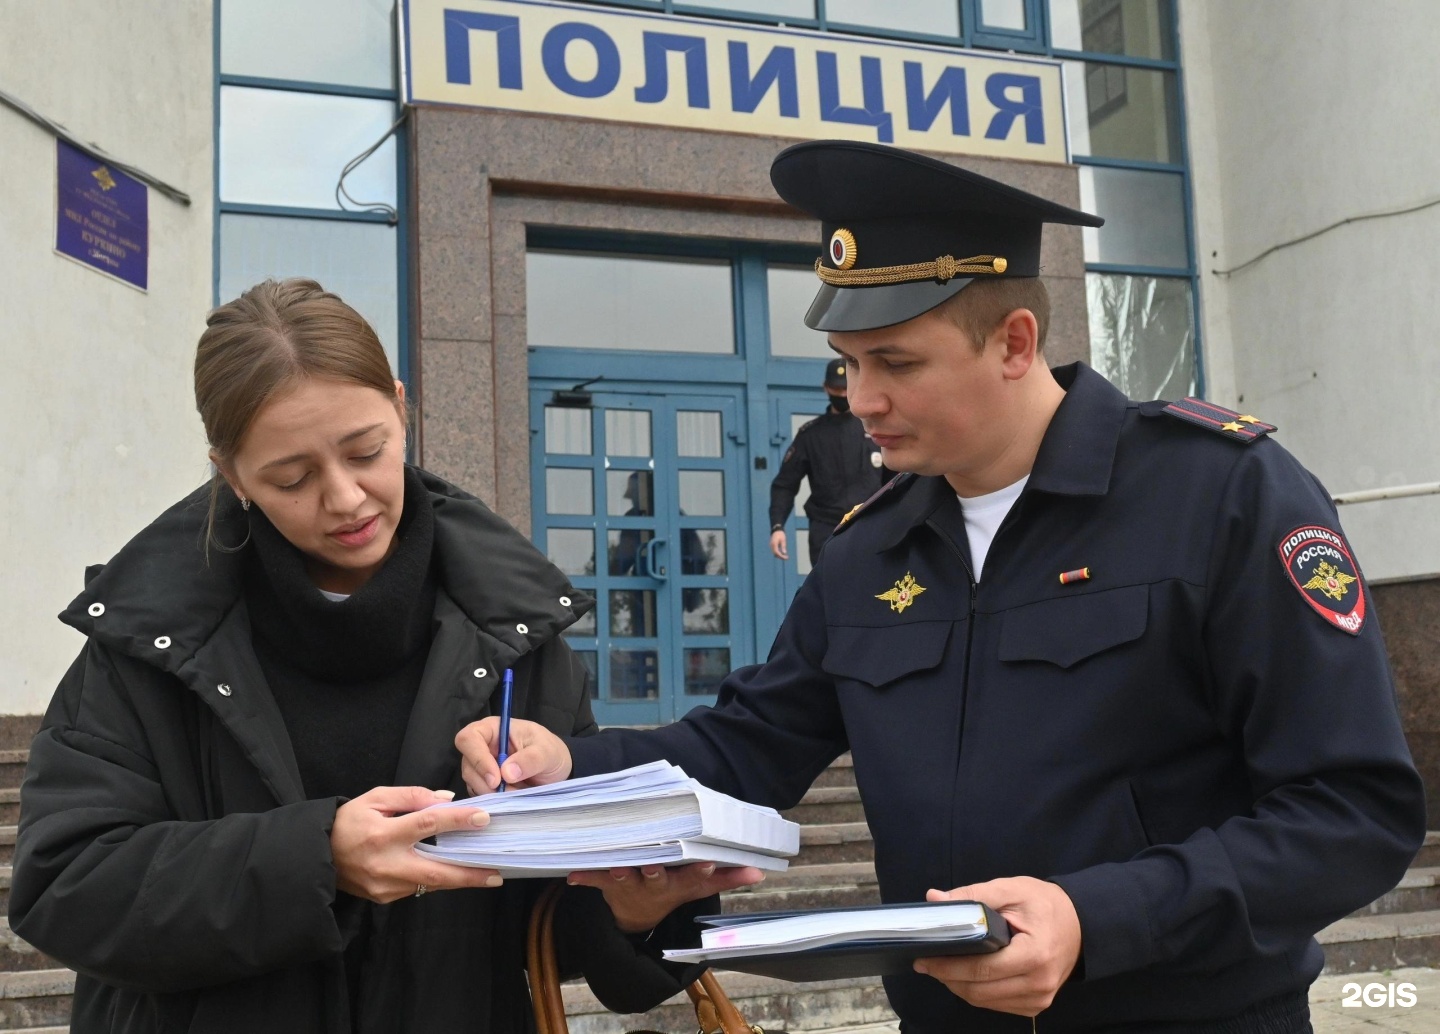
{"x":835,"y":867}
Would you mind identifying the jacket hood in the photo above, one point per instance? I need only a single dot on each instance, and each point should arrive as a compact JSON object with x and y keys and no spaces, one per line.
{"x":160,"y":600}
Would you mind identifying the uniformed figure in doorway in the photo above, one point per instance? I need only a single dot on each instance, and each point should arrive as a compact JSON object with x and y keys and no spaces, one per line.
{"x":1110,"y":667}
{"x":841,"y":462}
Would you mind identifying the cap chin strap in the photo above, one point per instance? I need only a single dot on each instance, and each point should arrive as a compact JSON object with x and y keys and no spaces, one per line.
{"x":944,"y":268}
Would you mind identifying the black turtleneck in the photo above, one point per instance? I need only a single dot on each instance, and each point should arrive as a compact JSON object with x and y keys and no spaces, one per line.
{"x":344,"y":674}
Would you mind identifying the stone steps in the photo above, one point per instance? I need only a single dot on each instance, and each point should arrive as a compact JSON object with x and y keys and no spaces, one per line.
{"x":1359,"y":944}
{"x":39,"y":998}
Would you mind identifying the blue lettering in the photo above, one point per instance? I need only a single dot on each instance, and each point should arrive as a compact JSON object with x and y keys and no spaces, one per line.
{"x":459,"y":25}
{"x":607,"y":59}
{"x":872,"y":91}
{"x":1009,"y":109}
{"x":657,"y":73}
{"x":777,"y":70}
{"x":921,"y":108}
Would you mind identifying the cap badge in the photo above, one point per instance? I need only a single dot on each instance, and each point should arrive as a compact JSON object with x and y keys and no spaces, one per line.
{"x":904,"y":593}
{"x":842,"y":249}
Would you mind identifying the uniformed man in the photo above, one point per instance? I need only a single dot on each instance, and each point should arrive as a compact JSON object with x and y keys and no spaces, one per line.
{"x":841,"y":462}
{"x":1109,"y":667}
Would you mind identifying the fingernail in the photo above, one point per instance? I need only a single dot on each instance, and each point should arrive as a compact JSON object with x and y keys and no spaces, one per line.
{"x":571,"y":881}
{"x":707,"y":871}
{"x":920,"y":968}
{"x":494,"y":881}
{"x":511,"y":773}
{"x":444,"y":795}
{"x":480,"y":818}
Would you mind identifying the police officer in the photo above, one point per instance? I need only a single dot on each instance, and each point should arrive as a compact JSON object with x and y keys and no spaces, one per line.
{"x":1109,"y":667}
{"x":843,"y":466}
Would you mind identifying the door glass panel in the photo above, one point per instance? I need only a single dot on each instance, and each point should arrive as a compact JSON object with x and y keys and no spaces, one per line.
{"x":629,"y":493}
{"x":584,"y":626}
{"x":1003,"y":14}
{"x":697,"y":433}
{"x":1119,"y":112}
{"x":571,"y":549}
{"x":1137,"y":28}
{"x":707,"y":612}
{"x":704,"y":670}
{"x":626,"y":549}
{"x":567,"y":431}
{"x":1142,"y":334}
{"x":702,"y":493}
{"x":627,"y":432}
{"x":704,"y":551}
{"x":632,"y":613}
{"x":569,"y":490}
{"x":802,"y":551}
{"x":588,"y":300}
{"x":1144,"y":217}
{"x":936,"y":17}
{"x":634,"y":674}
{"x":791,"y":289}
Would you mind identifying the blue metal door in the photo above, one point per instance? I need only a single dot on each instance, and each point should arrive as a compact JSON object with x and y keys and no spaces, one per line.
{"x":642,"y":504}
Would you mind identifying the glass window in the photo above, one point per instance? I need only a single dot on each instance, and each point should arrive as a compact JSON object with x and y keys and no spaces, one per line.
{"x":571,"y":549}
{"x":624,"y":301}
{"x":632,"y":613}
{"x":626,"y":550}
{"x":569,"y":490}
{"x":567,"y":431}
{"x":777,"y":9}
{"x":630,"y":493}
{"x":703,"y":551}
{"x":627,"y":432}
{"x":1136,"y":28}
{"x":1142,"y":333}
{"x":634,"y":675}
{"x":702,"y":493}
{"x":1144,"y":217}
{"x":697,"y":433}
{"x":791,"y":290}
{"x":280,"y":147}
{"x":801,"y":553}
{"x":932,"y":17}
{"x":1003,"y":14}
{"x":355,"y":260}
{"x":706,"y":612}
{"x":346,"y":42}
{"x":1119,"y":112}
{"x":704,"y":670}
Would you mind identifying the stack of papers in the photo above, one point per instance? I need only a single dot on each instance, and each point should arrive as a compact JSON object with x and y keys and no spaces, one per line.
{"x":828,"y":944}
{"x":648,"y":815}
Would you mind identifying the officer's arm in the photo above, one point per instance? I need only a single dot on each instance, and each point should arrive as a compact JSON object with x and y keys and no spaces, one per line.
{"x":1338,"y":808}
{"x":794,"y":467}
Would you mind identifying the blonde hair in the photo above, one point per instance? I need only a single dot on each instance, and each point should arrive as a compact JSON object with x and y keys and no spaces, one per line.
{"x":983,"y":304}
{"x":259,"y":345}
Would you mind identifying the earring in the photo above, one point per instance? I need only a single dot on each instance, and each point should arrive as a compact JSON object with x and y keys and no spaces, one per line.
{"x":244,"y":503}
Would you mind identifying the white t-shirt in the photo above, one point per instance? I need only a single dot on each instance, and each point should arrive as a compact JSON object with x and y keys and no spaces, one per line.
{"x":335,"y":597}
{"x":983,"y":514}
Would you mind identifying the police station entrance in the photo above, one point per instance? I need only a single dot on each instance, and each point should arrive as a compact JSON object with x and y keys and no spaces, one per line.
{"x":666,"y":380}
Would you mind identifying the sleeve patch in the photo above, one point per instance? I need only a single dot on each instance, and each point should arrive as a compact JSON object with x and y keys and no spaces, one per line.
{"x":1240,"y":427}
{"x":1319,"y":564}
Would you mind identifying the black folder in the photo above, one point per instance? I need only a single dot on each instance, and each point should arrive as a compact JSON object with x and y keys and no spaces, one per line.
{"x":856,"y":958}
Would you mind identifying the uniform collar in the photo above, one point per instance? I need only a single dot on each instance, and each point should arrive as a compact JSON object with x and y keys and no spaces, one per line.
{"x":1076,"y":454}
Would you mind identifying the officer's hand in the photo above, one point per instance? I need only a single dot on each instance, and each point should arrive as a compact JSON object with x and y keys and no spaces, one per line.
{"x":1022,"y":977}
{"x":641,"y":897}
{"x":537,"y":755}
{"x":777,"y":545}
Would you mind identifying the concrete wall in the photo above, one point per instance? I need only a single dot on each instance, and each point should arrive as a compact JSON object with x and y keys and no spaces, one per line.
{"x":1302,"y":113}
{"x":98,"y":419}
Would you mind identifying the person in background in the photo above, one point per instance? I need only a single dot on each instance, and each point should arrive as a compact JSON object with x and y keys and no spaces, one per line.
{"x":217,"y":821}
{"x":1108,"y":666}
{"x":842,"y":463}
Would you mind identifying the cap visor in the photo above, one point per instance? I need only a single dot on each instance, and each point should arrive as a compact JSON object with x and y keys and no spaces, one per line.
{"x":866,"y":308}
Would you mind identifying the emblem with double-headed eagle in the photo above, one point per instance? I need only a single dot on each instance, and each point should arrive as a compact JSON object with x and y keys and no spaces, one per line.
{"x":1330,"y":580}
{"x":904,"y":593}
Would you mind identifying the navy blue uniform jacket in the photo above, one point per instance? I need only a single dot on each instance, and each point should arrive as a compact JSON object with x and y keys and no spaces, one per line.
{"x":1210,"y":769}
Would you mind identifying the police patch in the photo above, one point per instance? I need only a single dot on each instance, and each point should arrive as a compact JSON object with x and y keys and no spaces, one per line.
{"x":1318,"y":563}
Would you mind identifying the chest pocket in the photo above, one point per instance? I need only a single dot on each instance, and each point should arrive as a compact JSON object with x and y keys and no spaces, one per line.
{"x":879,"y":656}
{"x":1067,"y":630}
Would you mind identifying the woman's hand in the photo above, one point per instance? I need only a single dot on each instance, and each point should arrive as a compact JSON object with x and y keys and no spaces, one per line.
{"x":536,"y":755}
{"x":641,"y":897}
{"x":373,"y":840}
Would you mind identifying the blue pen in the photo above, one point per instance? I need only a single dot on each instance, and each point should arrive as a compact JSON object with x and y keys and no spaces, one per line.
{"x":505,"y":693}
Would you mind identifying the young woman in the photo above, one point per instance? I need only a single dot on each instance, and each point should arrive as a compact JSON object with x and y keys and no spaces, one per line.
{"x":218,"y":818}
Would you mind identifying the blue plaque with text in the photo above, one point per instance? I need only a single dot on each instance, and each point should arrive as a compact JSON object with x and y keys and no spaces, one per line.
{"x":102,"y":216}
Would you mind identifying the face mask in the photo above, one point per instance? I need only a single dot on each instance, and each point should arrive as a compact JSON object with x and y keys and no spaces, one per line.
{"x":841,"y":403}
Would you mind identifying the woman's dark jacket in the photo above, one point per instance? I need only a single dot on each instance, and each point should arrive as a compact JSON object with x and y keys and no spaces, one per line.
{"x":167,"y":851}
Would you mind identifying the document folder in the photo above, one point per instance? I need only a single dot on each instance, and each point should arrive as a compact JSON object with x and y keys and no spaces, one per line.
{"x":829,"y":944}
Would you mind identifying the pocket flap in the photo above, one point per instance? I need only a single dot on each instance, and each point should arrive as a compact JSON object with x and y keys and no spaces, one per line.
{"x":882,"y":655}
{"x":1066,"y":630}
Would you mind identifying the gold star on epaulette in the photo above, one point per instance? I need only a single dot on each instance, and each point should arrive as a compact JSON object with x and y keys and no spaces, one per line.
{"x":904,"y":593}
{"x":1232,"y":426}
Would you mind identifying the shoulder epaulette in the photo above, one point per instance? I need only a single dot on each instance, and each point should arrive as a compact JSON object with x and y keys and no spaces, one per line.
{"x":806,"y":426}
{"x":1240,"y":427}
{"x":886,"y":491}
